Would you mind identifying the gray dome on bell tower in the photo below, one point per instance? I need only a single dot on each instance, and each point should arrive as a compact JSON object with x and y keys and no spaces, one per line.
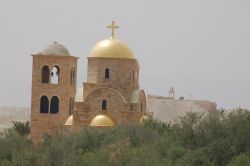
{"x":55,"y":49}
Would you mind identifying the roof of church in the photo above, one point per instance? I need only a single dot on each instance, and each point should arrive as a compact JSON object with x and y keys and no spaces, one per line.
{"x":111,"y":48}
{"x":55,"y":49}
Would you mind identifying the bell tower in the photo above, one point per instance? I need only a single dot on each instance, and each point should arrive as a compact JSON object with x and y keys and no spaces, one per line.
{"x":53,"y":90}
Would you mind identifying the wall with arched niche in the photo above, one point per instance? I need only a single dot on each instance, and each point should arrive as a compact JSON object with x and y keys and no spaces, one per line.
{"x":114,"y":101}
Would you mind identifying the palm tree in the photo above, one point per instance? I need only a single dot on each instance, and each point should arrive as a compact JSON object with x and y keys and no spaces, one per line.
{"x":22,"y":128}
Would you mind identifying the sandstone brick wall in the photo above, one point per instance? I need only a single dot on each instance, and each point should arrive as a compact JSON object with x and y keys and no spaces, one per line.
{"x":42,"y":123}
{"x":121,"y":70}
{"x":118,"y":109}
{"x":117,"y":90}
{"x":124,"y":75}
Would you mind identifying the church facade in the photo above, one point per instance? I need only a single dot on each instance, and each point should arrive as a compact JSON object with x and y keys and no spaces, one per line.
{"x":110,"y":96}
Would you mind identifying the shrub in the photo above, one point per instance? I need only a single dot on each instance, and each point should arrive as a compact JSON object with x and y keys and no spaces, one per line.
{"x":216,"y":139}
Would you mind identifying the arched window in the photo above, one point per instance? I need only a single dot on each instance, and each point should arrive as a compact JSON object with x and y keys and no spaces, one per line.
{"x":55,"y":74}
{"x":72,"y":76}
{"x":107,"y":73}
{"x":104,"y":105}
{"x":71,"y":105}
{"x":54,"y":105}
{"x":44,"y":104}
{"x":133,"y":75}
{"x":45,"y":74}
{"x":73,"y":100}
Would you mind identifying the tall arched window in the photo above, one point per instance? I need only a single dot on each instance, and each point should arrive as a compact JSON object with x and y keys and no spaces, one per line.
{"x":104,"y":105}
{"x":55,"y":75}
{"x":72,"y":76}
{"x":107,"y":73}
{"x":44,"y":104}
{"x":54,"y":105}
{"x":133,"y":75}
{"x":71,"y":105}
{"x":45,"y":74}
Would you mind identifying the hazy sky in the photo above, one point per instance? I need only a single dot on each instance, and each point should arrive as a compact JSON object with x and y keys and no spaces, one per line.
{"x":200,"y":47}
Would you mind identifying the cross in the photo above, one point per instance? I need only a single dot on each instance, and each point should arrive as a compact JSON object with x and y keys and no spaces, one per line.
{"x":113,"y":27}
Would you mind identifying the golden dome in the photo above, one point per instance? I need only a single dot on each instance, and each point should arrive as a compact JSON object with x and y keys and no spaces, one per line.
{"x":143,"y":119}
{"x":111,"y":48}
{"x":102,"y":121}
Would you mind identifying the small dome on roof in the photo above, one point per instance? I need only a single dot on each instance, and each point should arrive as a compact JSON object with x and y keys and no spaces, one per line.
{"x":143,"y":119}
{"x":69,"y":121}
{"x":56,"y":49}
{"x":102,"y":121}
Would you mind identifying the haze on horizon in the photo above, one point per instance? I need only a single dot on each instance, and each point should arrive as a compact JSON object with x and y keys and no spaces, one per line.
{"x":201,"y":48}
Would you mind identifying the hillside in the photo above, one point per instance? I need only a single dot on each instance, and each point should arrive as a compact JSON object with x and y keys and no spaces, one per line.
{"x":9,"y":114}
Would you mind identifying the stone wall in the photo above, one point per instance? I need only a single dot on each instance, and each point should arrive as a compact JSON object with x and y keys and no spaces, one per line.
{"x":170,"y":109}
{"x":118,"y":109}
{"x":123,"y":76}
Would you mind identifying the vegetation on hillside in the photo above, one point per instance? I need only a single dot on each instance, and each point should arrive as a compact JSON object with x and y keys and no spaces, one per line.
{"x":217,"y":139}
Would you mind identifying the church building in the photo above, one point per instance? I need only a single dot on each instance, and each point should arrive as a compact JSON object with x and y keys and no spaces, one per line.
{"x":110,"y":96}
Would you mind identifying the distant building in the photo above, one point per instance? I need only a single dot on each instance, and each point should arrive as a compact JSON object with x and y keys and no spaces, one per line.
{"x":168,"y":109}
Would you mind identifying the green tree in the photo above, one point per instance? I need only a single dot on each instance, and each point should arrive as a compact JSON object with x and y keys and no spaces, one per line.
{"x":241,"y":160}
{"x":214,"y":139}
{"x":22,"y":128}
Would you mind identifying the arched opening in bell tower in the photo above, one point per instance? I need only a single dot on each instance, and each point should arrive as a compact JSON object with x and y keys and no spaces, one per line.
{"x":55,"y":75}
{"x":45,"y":74}
{"x":72,"y":76}
{"x":54,"y":105}
{"x":44,"y":104}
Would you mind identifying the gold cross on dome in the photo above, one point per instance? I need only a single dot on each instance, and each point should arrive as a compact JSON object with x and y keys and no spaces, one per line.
{"x":113,"y":27}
